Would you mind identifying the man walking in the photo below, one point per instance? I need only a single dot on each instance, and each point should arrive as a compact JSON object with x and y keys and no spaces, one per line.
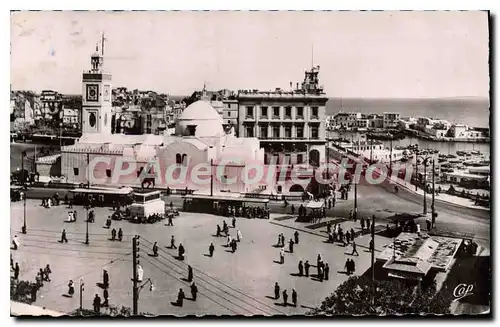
{"x":285,"y":298}
{"x":170,"y":222}
{"x":120,"y":234}
{"x":211,"y":249}
{"x":276,"y":291}
{"x":282,"y":256}
{"x":326,"y":271}
{"x":233,"y":221}
{"x":63,"y":237}
{"x":113,"y":234}
{"x":354,"y":249}
{"x":306,"y":268}
{"x":190,"y":273}
{"x":301,"y":268}
{"x":105,"y":278}
{"x":172,"y":242}
{"x":194,"y":291}
{"x":290,"y":246}
{"x":294,"y":297}
{"x":239,"y":237}
{"x":296,"y":236}
{"x":97,"y":304}
{"x":16,"y":271}
{"x":105,"y":295}
{"x":155,"y":250}
{"x":180,"y":297}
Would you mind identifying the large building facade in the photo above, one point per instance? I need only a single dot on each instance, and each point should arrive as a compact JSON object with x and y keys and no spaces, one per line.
{"x":289,"y":124}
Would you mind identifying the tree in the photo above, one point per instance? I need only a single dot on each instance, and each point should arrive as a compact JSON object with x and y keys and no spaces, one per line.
{"x":392,"y":297}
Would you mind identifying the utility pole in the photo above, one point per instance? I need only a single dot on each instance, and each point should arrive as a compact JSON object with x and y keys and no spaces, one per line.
{"x":433,"y":209}
{"x":416,"y":172}
{"x":390,"y":158}
{"x":373,"y":259}
{"x":425,"y":186}
{"x":211,"y":177}
{"x":23,"y":154}
{"x":81,"y":294}
{"x":354,"y":214}
{"x":135,"y":262}
{"x":88,"y":205}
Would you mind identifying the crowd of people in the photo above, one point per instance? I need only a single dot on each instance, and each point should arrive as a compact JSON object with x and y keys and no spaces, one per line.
{"x":42,"y":275}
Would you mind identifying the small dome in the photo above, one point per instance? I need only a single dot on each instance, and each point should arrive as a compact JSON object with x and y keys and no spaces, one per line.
{"x":199,"y":119}
{"x":199,"y":110}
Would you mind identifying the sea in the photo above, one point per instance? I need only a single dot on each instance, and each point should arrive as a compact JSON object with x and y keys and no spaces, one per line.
{"x":474,"y":112}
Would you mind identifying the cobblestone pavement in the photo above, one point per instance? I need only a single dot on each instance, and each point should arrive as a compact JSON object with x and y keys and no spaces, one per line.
{"x":228,"y":283}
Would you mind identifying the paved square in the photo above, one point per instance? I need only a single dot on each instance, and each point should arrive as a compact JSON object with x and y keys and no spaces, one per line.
{"x":228,"y":283}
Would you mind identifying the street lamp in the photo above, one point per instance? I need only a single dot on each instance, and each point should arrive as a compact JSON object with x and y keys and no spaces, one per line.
{"x":23,"y":154}
{"x":81,"y":294}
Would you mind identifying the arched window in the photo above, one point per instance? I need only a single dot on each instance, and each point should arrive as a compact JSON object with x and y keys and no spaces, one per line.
{"x":184,"y":159}
{"x":178,"y":159}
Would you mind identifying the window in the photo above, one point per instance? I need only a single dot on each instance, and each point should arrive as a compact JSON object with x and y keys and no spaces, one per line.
{"x":300,"y":132}
{"x":108,"y":172}
{"x":249,"y":131}
{"x":76,"y":171}
{"x":249,"y":112}
{"x":288,"y":112}
{"x":178,"y":159}
{"x":300,"y":158}
{"x":288,"y":132}
{"x":276,"y":132}
{"x":288,"y":159}
{"x":300,"y":112}
{"x":263,"y":132}
{"x":314,"y":112}
{"x":140,"y":171}
{"x":276,"y":112}
{"x":229,"y":113}
{"x":184,"y":159}
{"x":314,"y":133}
{"x":263,"y":112}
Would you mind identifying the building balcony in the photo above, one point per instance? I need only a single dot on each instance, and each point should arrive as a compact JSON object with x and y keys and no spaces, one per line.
{"x":314,"y":117}
{"x":299,"y":117}
{"x":288,"y":117}
{"x":276,"y":117}
{"x":263,"y":117}
{"x":249,"y":117}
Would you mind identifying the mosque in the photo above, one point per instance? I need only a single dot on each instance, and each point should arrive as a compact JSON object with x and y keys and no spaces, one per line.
{"x":199,"y":138}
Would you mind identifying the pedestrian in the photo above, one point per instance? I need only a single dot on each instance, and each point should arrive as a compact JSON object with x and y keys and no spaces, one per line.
{"x":368,"y":224}
{"x":301,"y":268}
{"x":290,"y":246}
{"x":347,"y":237}
{"x":233,"y":221}
{"x":120,"y":234}
{"x":172,"y":242}
{"x":353,"y":266}
{"x":113,"y":234}
{"x":306,"y":267}
{"x":229,"y":240}
{"x":282,"y":256}
{"x":63,"y":237}
{"x":239,"y":236}
{"x":75,"y":215}
{"x":71,"y":288}
{"x":285,"y":298}
{"x":362,"y":223}
{"x":371,"y":245}
{"x":41,"y":272}
{"x":296,"y":236}
{"x":326,"y":271}
{"x":105,"y":278}
{"x":293,"y":209}
{"x":320,"y":273}
{"x":218,"y":234}
{"x":211,"y":249}
{"x":34,"y":290}
{"x":181,"y":251}
{"x":180,"y":297}
{"x":354,"y":249}
{"x":352,"y":234}
{"x":190,"y":273}
{"x":16,"y":271}
{"x":276,"y":291}
{"x":171,"y":205}
{"x":234,"y":245}
{"x":194,"y":291}
{"x":224,"y":227}
{"x":155,"y":250}
{"x":15,"y":242}
{"x":329,"y":228}
{"x":105,"y":295}
{"x":294,"y":297}
{"x":97,"y":304}
{"x":428,"y":224}
{"x":318,"y":260}
{"x":347,"y":266}
{"x":11,"y":261}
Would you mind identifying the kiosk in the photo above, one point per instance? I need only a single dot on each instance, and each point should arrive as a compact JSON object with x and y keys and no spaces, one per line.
{"x":147,"y":203}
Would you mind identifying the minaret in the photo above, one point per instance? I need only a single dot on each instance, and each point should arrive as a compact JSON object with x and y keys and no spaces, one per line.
{"x":96,"y":95}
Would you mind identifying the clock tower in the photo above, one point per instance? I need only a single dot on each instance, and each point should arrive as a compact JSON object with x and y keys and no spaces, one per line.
{"x":96,"y":96}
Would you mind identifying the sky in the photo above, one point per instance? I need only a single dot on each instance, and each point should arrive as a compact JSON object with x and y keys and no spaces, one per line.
{"x":360,"y":54}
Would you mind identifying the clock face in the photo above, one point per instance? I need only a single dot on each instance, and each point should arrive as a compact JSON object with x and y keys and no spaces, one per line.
{"x":92,"y":92}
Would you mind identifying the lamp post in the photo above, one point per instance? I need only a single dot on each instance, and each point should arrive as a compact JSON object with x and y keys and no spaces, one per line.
{"x":81,"y":294}
{"x":23,"y":154}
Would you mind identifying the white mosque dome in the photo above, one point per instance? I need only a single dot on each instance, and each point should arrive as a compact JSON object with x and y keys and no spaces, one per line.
{"x":199,"y":119}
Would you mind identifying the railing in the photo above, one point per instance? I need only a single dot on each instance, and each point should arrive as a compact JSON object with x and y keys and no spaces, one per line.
{"x":249,"y":117}
{"x":299,"y":117}
{"x":288,"y":117}
{"x":314,"y":117}
{"x":276,"y":117}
